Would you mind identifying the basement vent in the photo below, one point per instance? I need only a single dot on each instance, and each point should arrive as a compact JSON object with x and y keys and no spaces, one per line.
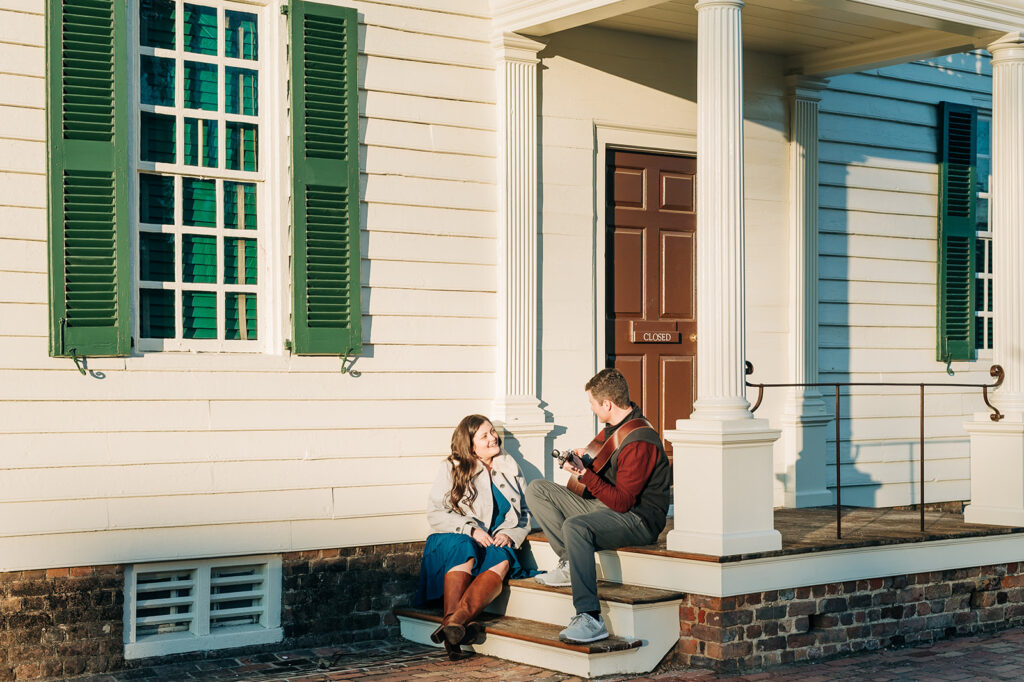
{"x":201,"y":605}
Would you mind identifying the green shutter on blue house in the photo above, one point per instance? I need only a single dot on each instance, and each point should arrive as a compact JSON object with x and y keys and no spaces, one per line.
{"x":958,"y":188}
{"x":325,"y":179}
{"x":87,"y":199}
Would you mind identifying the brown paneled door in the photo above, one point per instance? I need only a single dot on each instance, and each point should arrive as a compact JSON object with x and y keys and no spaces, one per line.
{"x":651,"y":281}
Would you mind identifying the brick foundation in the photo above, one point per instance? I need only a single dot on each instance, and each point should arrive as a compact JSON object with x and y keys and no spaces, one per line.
{"x":69,"y":621}
{"x":346,"y":595}
{"x":744,"y":632}
{"x":61,"y":622}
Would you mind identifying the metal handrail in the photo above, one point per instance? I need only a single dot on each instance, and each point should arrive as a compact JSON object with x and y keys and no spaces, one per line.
{"x":996,"y":371}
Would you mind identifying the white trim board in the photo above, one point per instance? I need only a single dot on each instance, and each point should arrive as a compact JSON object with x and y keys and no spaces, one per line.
{"x":802,"y":570}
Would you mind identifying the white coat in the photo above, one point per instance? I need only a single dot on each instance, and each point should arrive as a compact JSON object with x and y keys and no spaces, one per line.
{"x":509,"y":480}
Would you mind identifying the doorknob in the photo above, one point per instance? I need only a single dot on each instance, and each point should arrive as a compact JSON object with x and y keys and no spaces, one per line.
{"x":693,"y":338}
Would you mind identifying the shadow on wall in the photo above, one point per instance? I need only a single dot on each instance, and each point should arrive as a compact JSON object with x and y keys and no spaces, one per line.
{"x":877,"y":276}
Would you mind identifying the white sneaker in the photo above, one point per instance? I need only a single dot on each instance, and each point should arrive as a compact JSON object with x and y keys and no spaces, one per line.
{"x":584,"y":628}
{"x":556,"y":577}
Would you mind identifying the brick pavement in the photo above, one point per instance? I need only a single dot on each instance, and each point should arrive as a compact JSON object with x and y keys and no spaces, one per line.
{"x":998,"y":656}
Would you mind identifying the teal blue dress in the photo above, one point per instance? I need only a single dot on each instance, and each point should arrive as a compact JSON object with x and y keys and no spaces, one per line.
{"x":445,"y":551}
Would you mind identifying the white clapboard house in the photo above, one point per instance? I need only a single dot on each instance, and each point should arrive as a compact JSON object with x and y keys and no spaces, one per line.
{"x":257,"y":259}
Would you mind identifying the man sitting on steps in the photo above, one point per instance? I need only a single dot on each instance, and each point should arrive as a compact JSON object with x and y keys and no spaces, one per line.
{"x":624,"y":504}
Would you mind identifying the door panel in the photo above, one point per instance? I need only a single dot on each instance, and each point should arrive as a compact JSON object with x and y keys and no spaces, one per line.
{"x":651,"y":287}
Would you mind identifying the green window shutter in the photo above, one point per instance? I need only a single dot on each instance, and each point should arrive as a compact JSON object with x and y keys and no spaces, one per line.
{"x":88,"y":183}
{"x":958,"y":189}
{"x":325,"y":180}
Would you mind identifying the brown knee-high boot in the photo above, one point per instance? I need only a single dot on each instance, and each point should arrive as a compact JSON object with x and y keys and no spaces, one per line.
{"x":455,"y":584}
{"x":479,"y":594}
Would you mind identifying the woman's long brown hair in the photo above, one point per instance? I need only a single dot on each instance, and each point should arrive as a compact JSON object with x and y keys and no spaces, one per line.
{"x":463,"y":461}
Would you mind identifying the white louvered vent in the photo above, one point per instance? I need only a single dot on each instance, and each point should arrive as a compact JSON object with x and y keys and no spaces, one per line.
{"x":237,"y":596}
{"x":164,"y":603}
{"x":200,"y":605}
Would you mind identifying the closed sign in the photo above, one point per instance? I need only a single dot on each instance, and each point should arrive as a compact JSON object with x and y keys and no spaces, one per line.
{"x":641,"y":335}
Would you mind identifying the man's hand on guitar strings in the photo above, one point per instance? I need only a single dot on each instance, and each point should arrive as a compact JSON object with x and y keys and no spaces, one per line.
{"x":573,"y":464}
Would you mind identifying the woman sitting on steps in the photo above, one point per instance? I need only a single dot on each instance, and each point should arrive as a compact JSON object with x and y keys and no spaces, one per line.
{"x":478,"y":517}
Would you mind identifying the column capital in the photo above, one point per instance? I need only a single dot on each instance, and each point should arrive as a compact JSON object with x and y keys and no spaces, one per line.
{"x":1009,"y":48}
{"x":805,"y":87}
{"x":514,"y":47}
{"x":704,"y":4}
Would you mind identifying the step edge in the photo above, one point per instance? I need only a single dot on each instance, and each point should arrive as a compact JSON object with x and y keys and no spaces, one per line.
{"x":668,"y":596}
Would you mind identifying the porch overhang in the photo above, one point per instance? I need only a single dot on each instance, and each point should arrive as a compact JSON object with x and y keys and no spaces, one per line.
{"x":856,"y":34}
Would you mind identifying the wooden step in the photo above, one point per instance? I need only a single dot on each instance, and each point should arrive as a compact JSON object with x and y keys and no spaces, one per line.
{"x":608,"y":591}
{"x":527,"y":631}
{"x":536,"y":643}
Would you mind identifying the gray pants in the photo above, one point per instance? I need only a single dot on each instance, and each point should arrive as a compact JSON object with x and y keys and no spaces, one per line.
{"x":576,"y":528}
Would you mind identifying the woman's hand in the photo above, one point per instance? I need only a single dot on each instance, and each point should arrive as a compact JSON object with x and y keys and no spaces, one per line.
{"x":482,"y":537}
{"x":502,"y":540}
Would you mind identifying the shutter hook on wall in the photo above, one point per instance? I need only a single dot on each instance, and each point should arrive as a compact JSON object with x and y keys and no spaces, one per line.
{"x":80,"y":365}
{"x":346,"y":366}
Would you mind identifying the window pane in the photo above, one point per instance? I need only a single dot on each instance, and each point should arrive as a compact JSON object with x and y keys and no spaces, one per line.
{"x":156,"y":257}
{"x":982,"y":214}
{"x":990,"y":321}
{"x":198,"y":258}
{"x":156,"y":81}
{"x":156,"y":199}
{"x":979,"y":333}
{"x":239,"y":199}
{"x":201,"y":138}
{"x":241,"y":146}
{"x":156,"y":133}
{"x":979,"y":294}
{"x":240,"y":316}
{"x":199,"y":202}
{"x":235,"y":251}
{"x":201,"y":29}
{"x":156,"y":23}
{"x":240,"y":32}
{"x":984,"y":169}
{"x":156,"y":314}
{"x":199,"y":314}
{"x":240,"y":91}
{"x":200,"y":86}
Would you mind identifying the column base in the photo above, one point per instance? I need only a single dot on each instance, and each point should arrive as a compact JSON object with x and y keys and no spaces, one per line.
{"x":723,"y":487}
{"x":997,"y":471}
{"x":717,"y":544}
{"x":994,"y":516}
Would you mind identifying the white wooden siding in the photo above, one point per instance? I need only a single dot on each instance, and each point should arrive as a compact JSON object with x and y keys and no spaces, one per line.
{"x":877,"y":265}
{"x":189,"y":455}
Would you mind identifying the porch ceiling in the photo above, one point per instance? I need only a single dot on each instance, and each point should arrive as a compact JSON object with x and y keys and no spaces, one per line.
{"x":821,"y":37}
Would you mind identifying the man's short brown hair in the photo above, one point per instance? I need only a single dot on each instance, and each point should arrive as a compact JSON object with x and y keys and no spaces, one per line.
{"x":609,"y":384}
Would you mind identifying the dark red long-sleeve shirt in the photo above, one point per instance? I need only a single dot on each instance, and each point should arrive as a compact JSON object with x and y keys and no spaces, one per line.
{"x":636,"y":462}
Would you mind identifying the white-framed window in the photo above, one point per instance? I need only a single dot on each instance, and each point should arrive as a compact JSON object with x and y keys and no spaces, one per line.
{"x":198,"y":170}
{"x":182,"y":606}
{"x":983,"y":320}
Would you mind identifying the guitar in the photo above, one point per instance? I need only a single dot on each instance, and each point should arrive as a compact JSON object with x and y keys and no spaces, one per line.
{"x":598,"y":453}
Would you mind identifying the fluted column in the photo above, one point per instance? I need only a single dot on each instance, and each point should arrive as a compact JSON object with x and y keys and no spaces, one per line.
{"x":720,"y":215}
{"x":516,"y":406}
{"x":800,"y":454}
{"x":997,"y":448}
{"x":1007,"y":220}
{"x":723,"y":457}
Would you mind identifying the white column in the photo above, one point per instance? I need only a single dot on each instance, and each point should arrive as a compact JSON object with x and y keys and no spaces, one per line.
{"x":800,"y":454}
{"x":516,"y":407}
{"x":723,"y":465}
{"x":997,"y":448}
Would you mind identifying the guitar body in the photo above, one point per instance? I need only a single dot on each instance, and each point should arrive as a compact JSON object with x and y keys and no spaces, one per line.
{"x":601,"y":452}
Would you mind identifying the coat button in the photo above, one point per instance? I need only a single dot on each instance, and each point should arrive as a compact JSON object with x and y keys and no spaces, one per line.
{"x":513,"y":499}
